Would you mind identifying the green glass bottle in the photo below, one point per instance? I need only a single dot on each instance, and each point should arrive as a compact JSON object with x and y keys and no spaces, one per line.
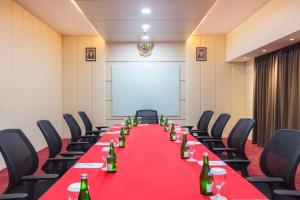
{"x":122,"y":138}
{"x":184,"y":149}
{"x":166,"y":125}
{"x":84,"y":190}
{"x":128,"y":123}
{"x":205,"y":177}
{"x":135,"y":122}
{"x":172,"y":133}
{"x":111,"y":159}
{"x":161,"y":120}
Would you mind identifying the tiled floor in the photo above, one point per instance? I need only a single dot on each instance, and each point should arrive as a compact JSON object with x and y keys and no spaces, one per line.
{"x":253,"y":152}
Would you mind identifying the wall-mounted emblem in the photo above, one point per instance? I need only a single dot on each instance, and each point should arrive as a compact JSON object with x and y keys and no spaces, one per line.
{"x":145,"y":48}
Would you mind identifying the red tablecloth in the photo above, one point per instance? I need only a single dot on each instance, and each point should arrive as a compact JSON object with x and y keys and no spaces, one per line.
{"x":149,"y":168}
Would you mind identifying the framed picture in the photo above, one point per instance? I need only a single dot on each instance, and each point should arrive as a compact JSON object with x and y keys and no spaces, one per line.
{"x":90,"y":54}
{"x":201,"y":54}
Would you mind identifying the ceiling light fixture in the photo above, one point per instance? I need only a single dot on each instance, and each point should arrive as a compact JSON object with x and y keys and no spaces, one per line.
{"x":292,"y":39}
{"x":145,"y":37}
{"x":145,"y":27}
{"x":146,"y":11}
{"x":264,"y":50}
{"x":245,"y":57}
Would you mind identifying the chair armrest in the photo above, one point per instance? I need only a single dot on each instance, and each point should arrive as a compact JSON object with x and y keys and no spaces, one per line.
{"x":198,"y":131}
{"x":101,"y":127}
{"x":291,"y":193}
{"x":38,"y":177}
{"x":95,"y":132}
{"x":78,"y":143}
{"x":188,"y":127}
{"x":225,"y":149}
{"x":88,"y":136}
{"x":236,"y":161}
{"x":212,"y":140}
{"x":202,"y":137}
{"x":16,"y":196}
{"x":265,"y":180}
{"x":62,"y":159}
{"x":72,"y":153}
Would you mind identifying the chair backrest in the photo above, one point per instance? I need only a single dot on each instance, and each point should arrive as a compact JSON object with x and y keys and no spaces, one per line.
{"x":239,"y":134}
{"x":86,"y":121}
{"x":281,"y":156}
{"x":19,"y":155}
{"x":73,"y":126}
{"x":219,"y":125}
{"x":52,"y":137}
{"x":148,"y":116}
{"x":204,"y":120}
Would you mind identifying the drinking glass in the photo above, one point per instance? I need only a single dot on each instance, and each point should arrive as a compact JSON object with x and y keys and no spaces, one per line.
{"x":139,"y":119}
{"x":73,"y":190}
{"x":219,"y":180}
{"x":177,"y":137}
{"x":116,"y":142}
{"x":191,"y":152}
{"x":104,"y":167}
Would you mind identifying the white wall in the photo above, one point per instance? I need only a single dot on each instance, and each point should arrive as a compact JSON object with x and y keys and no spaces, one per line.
{"x":30,"y":73}
{"x":83,"y":82}
{"x":214,"y":84}
{"x":273,"y":21}
{"x":118,"y":53}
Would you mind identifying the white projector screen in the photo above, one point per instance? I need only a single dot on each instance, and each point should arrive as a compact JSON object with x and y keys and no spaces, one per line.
{"x":138,"y":86}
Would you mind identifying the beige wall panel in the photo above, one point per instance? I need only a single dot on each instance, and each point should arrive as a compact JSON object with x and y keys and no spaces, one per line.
{"x":208,"y":75}
{"x":193,"y":73}
{"x":98,"y":86}
{"x":108,"y":90}
{"x":31,"y":80}
{"x":84,"y":79}
{"x":69,"y":78}
{"x":6,"y":73}
{"x":182,"y":90}
{"x":238,"y":92}
{"x":223,"y":83}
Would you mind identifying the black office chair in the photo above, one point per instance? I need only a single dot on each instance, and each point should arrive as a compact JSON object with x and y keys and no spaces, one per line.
{"x":89,"y":126}
{"x":216,"y":130}
{"x":236,"y":145}
{"x":22,"y":161}
{"x":279,"y":161}
{"x":54,"y":163}
{"x":76,"y":134}
{"x":148,"y":116}
{"x":14,"y":196}
{"x":202,"y":126}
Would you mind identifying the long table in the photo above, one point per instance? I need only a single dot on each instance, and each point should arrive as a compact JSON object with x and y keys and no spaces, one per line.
{"x":149,"y":168}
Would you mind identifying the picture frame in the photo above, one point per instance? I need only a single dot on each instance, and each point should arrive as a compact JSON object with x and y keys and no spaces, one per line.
{"x":201,"y":54}
{"x":90,"y":54}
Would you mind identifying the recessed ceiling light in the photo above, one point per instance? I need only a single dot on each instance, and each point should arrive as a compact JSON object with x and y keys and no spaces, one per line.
{"x":292,"y":39}
{"x":145,"y":27}
{"x":146,"y":11}
{"x":264,"y":50}
{"x":145,"y":37}
{"x":245,"y":57}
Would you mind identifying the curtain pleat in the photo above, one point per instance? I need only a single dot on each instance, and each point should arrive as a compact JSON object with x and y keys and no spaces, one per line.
{"x":276,"y":92}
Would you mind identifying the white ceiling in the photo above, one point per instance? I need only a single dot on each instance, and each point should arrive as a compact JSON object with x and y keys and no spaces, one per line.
{"x":61,"y":15}
{"x":121,"y":20}
{"x":227,"y":14}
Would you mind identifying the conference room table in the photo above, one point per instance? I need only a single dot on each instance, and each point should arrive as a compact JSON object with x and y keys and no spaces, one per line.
{"x":149,"y":168}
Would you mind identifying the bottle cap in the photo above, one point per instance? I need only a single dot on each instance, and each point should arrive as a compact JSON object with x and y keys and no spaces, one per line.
{"x":84,"y":176}
{"x":205,"y":154}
